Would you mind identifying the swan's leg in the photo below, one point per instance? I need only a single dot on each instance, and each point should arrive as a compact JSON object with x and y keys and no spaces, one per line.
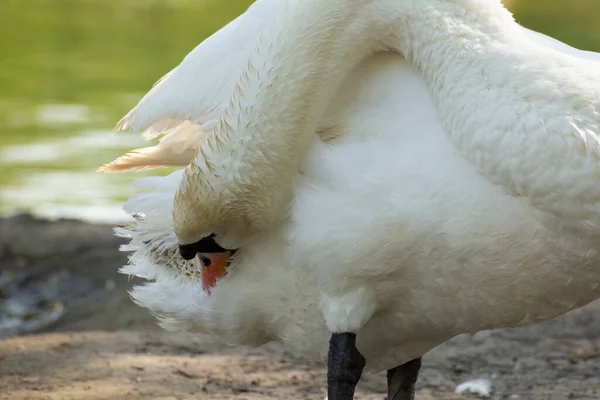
{"x":345,"y":366}
{"x":402,"y":379}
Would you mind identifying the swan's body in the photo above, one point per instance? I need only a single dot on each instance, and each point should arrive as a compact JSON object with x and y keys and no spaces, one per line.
{"x":430,"y":205}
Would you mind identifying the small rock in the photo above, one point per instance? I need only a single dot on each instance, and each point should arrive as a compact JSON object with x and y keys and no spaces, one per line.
{"x":480,"y":387}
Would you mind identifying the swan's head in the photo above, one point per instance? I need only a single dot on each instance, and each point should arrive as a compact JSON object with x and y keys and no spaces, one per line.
{"x":207,"y":219}
{"x":194,"y":230}
{"x":155,"y":249}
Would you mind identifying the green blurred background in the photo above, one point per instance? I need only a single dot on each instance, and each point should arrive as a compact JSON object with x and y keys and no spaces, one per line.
{"x":69,"y":69}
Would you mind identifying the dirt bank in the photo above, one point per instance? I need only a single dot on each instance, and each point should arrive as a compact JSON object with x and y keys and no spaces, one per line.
{"x":104,"y":347}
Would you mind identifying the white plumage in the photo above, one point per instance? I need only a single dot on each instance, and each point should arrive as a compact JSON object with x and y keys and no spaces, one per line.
{"x":448,"y":186}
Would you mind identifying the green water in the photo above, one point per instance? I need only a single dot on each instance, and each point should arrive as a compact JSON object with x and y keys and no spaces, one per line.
{"x":69,"y":69}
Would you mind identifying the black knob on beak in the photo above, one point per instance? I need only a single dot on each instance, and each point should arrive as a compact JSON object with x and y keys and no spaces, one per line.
{"x":205,"y":245}
{"x":187,"y":251}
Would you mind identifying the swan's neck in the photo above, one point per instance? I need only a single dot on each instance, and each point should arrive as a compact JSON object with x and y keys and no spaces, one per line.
{"x":526,"y":116}
{"x":512,"y":108}
{"x":242,"y":177}
{"x":295,"y":69}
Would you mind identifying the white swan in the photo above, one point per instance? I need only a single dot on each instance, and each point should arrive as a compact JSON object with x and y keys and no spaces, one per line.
{"x":447,"y":186}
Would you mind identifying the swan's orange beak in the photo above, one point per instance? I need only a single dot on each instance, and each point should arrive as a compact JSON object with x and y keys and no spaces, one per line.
{"x":214,"y":266}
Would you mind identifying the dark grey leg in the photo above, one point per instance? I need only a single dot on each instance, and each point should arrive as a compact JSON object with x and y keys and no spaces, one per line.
{"x":402,"y":380}
{"x":344,"y":368}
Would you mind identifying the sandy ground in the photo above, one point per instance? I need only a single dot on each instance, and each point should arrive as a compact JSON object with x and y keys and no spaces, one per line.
{"x":105,"y":347}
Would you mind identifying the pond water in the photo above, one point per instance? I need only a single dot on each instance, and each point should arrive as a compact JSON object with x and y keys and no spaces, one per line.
{"x":70,"y":69}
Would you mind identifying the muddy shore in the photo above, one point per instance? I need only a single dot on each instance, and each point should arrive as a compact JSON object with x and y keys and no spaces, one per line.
{"x":105,"y":347}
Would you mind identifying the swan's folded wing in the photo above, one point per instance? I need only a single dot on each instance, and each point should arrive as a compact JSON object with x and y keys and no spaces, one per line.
{"x":176,"y":148}
{"x":557,"y":45}
{"x":206,"y":77}
{"x":193,"y":94}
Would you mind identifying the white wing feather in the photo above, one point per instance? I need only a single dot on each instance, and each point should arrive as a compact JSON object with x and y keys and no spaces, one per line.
{"x":196,"y":92}
{"x":557,"y":45}
{"x":205,"y":79}
{"x":192,"y":94}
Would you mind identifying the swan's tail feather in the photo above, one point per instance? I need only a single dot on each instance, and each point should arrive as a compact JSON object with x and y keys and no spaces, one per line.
{"x":171,"y":282}
{"x":151,"y":238}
